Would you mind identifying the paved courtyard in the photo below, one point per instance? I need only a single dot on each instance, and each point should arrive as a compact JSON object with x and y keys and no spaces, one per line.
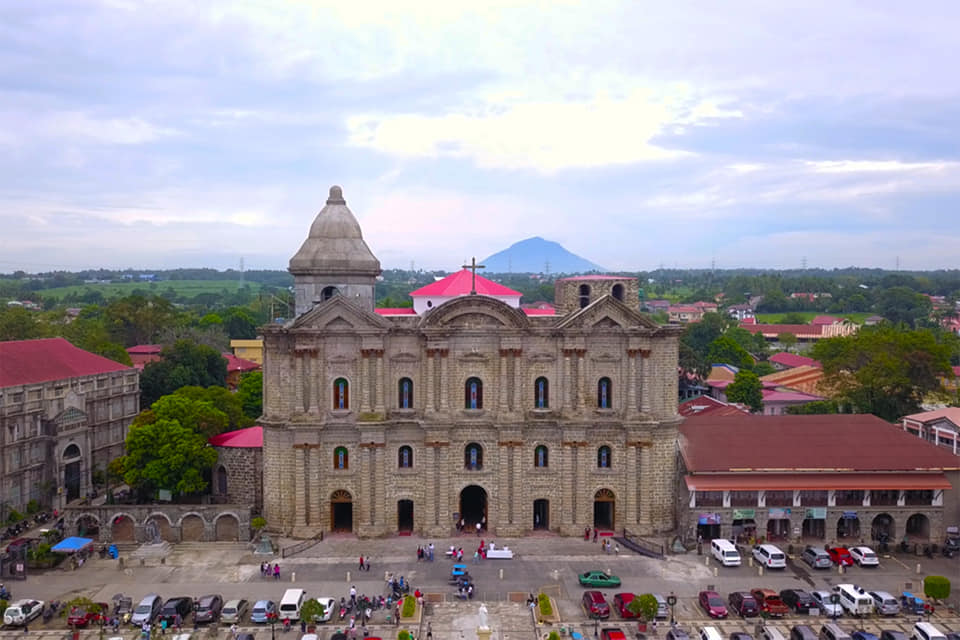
{"x":547,"y":563}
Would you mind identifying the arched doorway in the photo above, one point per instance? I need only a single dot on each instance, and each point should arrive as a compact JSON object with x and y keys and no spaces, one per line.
{"x":473,"y":506}
{"x":163,"y":527}
{"x":227,"y":529}
{"x":341,"y":511}
{"x":883,"y":529}
{"x":918,"y":526}
{"x":404,"y":516}
{"x":72,"y":471}
{"x":603,"y":509}
{"x":88,"y":526}
{"x":191,"y":528}
{"x":778,"y":529}
{"x":848,"y":526}
{"x":541,"y":514}
{"x":123,"y":529}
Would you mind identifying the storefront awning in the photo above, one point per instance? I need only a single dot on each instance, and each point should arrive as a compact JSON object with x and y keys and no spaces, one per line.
{"x":816,"y":481}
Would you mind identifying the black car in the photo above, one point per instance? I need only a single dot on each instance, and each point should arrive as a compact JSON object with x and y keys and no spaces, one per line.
{"x":181,"y":605}
{"x":803,"y":632}
{"x":743,"y":604}
{"x":676,"y":633}
{"x":740,"y":635}
{"x":890,"y":634}
{"x":798,"y":600}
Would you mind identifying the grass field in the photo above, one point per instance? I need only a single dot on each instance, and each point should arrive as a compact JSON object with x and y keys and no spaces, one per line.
{"x":777,"y":318}
{"x":186,"y":288}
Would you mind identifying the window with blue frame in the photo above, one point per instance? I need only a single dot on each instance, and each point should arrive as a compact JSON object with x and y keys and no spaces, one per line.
{"x":473,"y":456}
{"x":541,"y":393}
{"x":405,"y":393}
{"x":604,"y":394}
{"x":603,"y":457}
{"x":341,"y":459}
{"x":341,"y":394}
{"x":541,"y":457}
{"x":473,"y":394}
{"x":405,"y":457}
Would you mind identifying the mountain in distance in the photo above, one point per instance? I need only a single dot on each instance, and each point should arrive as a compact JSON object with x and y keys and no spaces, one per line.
{"x":533,"y":255}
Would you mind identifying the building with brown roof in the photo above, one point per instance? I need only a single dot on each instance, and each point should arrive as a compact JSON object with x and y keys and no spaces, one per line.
{"x":64,"y":412}
{"x":941,"y":427}
{"x":823,"y":478}
{"x":804,"y":378}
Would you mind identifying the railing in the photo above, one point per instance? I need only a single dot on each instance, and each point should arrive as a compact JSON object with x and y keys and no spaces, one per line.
{"x":645,"y":547}
{"x":294,"y":549}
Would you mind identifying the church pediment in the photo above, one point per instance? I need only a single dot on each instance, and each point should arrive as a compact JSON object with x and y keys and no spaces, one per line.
{"x":607,"y":313}
{"x":475,"y":312}
{"x":336,"y":314}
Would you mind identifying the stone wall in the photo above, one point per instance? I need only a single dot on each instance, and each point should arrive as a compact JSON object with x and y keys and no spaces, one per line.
{"x":217,"y":522}
{"x":244,"y":474}
{"x":566,"y":297}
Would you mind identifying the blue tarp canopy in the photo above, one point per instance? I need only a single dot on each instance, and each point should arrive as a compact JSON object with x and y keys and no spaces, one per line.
{"x":72,"y":545}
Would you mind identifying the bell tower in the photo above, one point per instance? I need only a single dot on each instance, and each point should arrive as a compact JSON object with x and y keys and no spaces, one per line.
{"x":334,"y":260}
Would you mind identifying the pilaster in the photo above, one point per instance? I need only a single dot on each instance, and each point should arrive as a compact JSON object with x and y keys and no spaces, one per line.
{"x":299,"y":483}
{"x":313,"y":365}
{"x":647,"y":480}
{"x":377,"y":383}
{"x":363,"y":393}
{"x":444,"y":382}
{"x":315,"y":468}
{"x":502,"y":386}
{"x":645,"y":382}
{"x":517,"y":380}
{"x":632,"y":482}
{"x":300,"y":382}
{"x":582,"y":380}
{"x":632,"y":380}
{"x":431,"y":406}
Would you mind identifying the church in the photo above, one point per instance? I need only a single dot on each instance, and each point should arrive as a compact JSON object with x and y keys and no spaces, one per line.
{"x":465,"y":408}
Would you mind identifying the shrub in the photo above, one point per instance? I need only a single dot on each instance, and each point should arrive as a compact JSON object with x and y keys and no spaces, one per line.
{"x":645,"y":606}
{"x":553,"y":636}
{"x":32,"y":507}
{"x":14,"y":517}
{"x":936,"y":587}
{"x":546,"y":609}
{"x":409,"y":607}
{"x":258,"y":523}
{"x":312,"y":610}
{"x":3,"y":606}
{"x":403,"y":635}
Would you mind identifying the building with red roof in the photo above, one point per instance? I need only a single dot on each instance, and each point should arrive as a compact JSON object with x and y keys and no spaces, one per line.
{"x":941,"y":427}
{"x":54,"y":398}
{"x":238,"y":472}
{"x":236,"y":367}
{"x":786,"y":360}
{"x":143,"y":354}
{"x":803,"y":332}
{"x":703,"y":405}
{"x":811,"y":479}
{"x":461,"y":283}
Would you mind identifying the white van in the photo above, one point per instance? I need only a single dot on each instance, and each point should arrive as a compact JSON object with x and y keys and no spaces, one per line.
{"x":926,"y":631}
{"x":710,"y":633}
{"x":854,"y":599}
{"x":725,"y":552}
{"x":290,"y":604}
{"x":770,"y":556}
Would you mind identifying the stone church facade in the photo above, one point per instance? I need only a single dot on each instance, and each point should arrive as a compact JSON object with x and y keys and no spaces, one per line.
{"x":474,"y":411}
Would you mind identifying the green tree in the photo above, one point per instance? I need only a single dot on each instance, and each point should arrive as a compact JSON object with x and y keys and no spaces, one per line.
{"x":884,"y":370}
{"x":138,"y":319}
{"x":817,"y":407}
{"x":794,"y":317}
{"x":645,"y":606}
{"x":184,"y":364}
{"x":240,"y":324}
{"x":250,"y":394}
{"x":936,"y":587}
{"x":16,"y":323}
{"x":199,"y":416}
{"x":902,"y":304}
{"x":726,"y":350}
{"x":746,"y":388}
{"x":312,"y":610}
{"x":164,"y":454}
{"x":788,"y":340}
{"x":231,"y":404}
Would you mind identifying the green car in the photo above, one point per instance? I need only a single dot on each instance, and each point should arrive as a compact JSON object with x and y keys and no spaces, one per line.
{"x":598,"y":579}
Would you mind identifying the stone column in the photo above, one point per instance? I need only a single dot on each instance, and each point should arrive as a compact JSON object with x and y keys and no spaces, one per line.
{"x":299,"y":484}
{"x":315,"y":507}
{"x":582,"y":379}
{"x":522,"y":516}
{"x":299,"y":382}
{"x":648,"y":481}
{"x":427,"y":513}
{"x":320,"y":382}
{"x":362,"y":377}
{"x":366,"y":488}
{"x":443,"y":490}
{"x":444,"y":383}
{"x":382,"y":516}
{"x":517,"y":380}
{"x":645,"y":382}
{"x":633,"y":481}
{"x":377,"y":384}
{"x":430,"y":364}
{"x":632,"y":380}
{"x":502,"y":383}
{"x":566,"y":381}
{"x":311,"y":382}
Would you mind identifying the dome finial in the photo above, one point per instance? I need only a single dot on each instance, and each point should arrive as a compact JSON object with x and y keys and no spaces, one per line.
{"x":336,"y":196}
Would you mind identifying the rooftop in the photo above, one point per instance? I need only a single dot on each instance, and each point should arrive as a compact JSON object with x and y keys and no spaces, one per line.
{"x":251,"y":437}
{"x":950,"y":413}
{"x":459,"y":284}
{"x":239,"y":364}
{"x":35,"y":361}
{"x":793,"y":360}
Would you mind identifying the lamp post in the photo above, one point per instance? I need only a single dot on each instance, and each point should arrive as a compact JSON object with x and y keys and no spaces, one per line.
{"x":596,"y":625}
{"x":672,"y":601}
{"x":835,"y":601}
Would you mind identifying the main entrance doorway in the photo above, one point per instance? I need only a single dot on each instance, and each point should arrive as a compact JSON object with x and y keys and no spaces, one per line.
{"x":405,"y":516}
{"x":603,"y":504}
{"x":541,"y":514}
{"x":341,"y":511}
{"x":473,"y":506}
{"x":72,"y":472}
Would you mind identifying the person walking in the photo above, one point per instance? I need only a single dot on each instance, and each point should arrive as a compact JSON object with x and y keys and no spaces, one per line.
{"x":276,"y":571}
{"x":431,"y":552}
{"x":361,"y":564}
{"x":479,"y":526}
{"x":595,"y":534}
{"x":163,"y":627}
{"x":367,"y":566}
{"x":234,"y":631}
{"x":353,"y":594}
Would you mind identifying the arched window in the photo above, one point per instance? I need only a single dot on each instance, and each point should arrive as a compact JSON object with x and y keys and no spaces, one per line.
{"x":473,"y":456}
{"x":341,"y":459}
{"x":405,"y":393}
{"x":405,"y":457}
{"x":541,"y":457}
{"x":584,"y":295}
{"x":341,"y":394}
{"x":604,"y":394}
{"x":473,"y":394}
{"x":603,"y":457}
{"x":328,"y":292}
{"x":541,"y":393}
{"x":618,"y":292}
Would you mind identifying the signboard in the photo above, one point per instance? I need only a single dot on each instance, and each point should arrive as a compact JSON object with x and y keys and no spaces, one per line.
{"x":778,"y":513}
{"x":164,"y":495}
{"x":816,"y":513}
{"x":744,"y":514}
{"x":849,"y":515}
{"x":709,"y":518}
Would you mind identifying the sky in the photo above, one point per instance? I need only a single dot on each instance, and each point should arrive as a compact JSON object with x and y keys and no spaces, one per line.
{"x":141,"y":134}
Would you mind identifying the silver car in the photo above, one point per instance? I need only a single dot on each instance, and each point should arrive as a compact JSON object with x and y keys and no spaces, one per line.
{"x":885,"y":604}
{"x":816,"y":558}
{"x":827,"y":608}
{"x":233,"y":611}
{"x":663,"y":609}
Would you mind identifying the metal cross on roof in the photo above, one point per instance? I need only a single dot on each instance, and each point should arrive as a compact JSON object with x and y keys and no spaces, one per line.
{"x":473,"y":266}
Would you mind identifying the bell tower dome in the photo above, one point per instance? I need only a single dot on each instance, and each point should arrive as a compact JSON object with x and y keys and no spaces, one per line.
{"x":334,"y":260}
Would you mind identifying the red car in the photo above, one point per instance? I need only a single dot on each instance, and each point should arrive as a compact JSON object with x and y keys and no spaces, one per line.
{"x":713,"y":604}
{"x":840,"y":556}
{"x":82,"y":617}
{"x":770,"y":603}
{"x":620,"y":602}
{"x":596,"y":605}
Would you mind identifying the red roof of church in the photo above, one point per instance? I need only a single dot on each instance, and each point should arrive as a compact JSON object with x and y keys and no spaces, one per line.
{"x":539,"y":312}
{"x":34,"y":361}
{"x":239,"y":364}
{"x":458,"y":284}
{"x":396,"y":311}
{"x":251,"y":437}
{"x":145,"y":349}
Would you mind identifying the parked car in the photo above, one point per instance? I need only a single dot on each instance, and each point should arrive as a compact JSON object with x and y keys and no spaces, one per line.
{"x":598,"y":579}
{"x":612,"y":633}
{"x":263,"y":610}
{"x":21,"y":612}
{"x":826,"y":605}
{"x":676,"y":633}
{"x":802,"y":632}
{"x":864,"y":556}
{"x":743,"y":604}
{"x":840,"y":556}
{"x":596,"y":605}
{"x":863,"y":635}
{"x":83,"y":616}
{"x":770,"y":603}
{"x":147,"y":610}
{"x":798,"y":599}
{"x":891,"y":634}
{"x":208,"y":608}
{"x":816,"y":558}
{"x":663,"y":609}
{"x":329,"y":604}
{"x":885,"y":603}
{"x":179,"y":605}
{"x":712,"y":604}
{"x":620,"y":602}
{"x":234,"y":610}
{"x":740,"y":635}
